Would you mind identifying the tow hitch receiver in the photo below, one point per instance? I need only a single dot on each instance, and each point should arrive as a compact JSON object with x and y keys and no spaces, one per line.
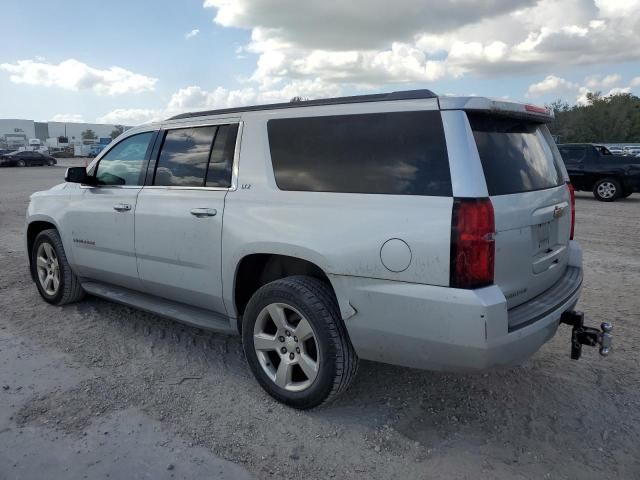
{"x":581,"y":335}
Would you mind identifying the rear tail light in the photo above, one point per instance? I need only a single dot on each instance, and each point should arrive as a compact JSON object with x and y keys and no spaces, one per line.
{"x":472,"y":243}
{"x":572,"y":195}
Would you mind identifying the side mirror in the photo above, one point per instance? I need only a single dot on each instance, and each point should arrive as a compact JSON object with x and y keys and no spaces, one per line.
{"x":78,"y":175}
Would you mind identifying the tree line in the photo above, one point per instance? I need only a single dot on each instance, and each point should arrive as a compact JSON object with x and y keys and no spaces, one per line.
{"x":603,"y":119}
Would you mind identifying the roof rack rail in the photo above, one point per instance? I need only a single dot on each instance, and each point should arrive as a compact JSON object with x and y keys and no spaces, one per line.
{"x":378,"y":97}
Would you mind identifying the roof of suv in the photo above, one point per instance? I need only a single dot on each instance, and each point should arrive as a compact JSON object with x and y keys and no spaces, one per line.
{"x":379,"y":97}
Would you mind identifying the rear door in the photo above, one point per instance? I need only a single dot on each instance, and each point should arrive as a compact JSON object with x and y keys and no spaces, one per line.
{"x":527,"y":186}
{"x":575,"y":158}
{"x":178,"y":221}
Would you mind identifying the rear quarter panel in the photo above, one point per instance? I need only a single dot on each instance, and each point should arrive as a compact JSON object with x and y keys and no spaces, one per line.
{"x":342,"y":233}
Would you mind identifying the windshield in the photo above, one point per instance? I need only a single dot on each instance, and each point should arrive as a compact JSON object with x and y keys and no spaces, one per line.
{"x":516,"y":154}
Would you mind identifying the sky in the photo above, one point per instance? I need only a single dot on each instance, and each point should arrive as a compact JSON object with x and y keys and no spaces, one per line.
{"x":135,"y":61}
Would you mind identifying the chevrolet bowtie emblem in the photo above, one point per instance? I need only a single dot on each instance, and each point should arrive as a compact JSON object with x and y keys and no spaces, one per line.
{"x":558,"y":211}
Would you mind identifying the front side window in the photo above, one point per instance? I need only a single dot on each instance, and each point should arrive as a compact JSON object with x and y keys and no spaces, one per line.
{"x":397,"y":153}
{"x":125,"y":163}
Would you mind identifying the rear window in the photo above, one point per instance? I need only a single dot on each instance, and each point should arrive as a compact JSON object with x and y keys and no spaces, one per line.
{"x":515,"y":154}
{"x":400,"y":153}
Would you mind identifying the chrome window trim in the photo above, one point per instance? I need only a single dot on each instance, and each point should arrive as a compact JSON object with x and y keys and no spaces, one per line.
{"x":111,"y":186}
{"x":234,"y":169}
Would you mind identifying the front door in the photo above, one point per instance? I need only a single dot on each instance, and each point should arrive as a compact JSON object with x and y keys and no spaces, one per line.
{"x":102,"y":222}
{"x":178,"y":232}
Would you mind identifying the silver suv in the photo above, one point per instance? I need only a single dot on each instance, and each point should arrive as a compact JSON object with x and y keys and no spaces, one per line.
{"x":424,"y":231}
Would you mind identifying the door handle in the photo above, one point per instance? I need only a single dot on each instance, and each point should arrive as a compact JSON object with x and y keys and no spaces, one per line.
{"x":122,"y":207}
{"x":203,"y":212}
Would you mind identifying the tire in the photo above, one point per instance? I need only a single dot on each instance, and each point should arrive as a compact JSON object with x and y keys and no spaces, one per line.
{"x":607,"y":190}
{"x":21,"y":163}
{"x":301,"y":298}
{"x":50,"y":163}
{"x":68,"y":290}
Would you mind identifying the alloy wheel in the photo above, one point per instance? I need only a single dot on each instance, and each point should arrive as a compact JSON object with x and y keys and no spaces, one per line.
{"x":286,"y":347}
{"x":48,"y":268}
{"x":607,"y":190}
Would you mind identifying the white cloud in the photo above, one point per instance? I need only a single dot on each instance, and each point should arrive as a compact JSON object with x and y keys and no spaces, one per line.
{"x":551,"y":84}
{"x":354,"y":24}
{"x":192,"y":33}
{"x":195,"y":98}
{"x":130,"y":116}
{"x":74,"y":75}
{"x":598,"y":81}
{"x":67,"y":117}
{"x":367,"y":43}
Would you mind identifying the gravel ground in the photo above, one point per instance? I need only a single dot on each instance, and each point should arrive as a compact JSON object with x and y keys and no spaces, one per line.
{"x":100,"y":389}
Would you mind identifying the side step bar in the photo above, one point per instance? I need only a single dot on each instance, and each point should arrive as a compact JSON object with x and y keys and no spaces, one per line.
{"x":194,"y":316}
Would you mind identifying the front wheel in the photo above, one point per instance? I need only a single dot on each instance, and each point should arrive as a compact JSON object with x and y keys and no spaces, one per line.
{"x":607,"y":190}
{"x":54,"y":278}
{"x":21,"y":163}
{"x":296,"y":343}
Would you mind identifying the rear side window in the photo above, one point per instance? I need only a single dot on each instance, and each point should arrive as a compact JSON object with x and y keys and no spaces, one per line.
{"x":515,"y":154}
{"x":219,"y":173}
{"x":573,"y":156}
{"x":401,"y":153}
{"x":184,"y":157}
{"x":197,"y":157}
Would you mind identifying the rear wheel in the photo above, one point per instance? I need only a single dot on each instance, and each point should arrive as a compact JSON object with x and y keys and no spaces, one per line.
{"x":607,"y":190}
{"x":54,"y":278}
{"x":296,"y":343}
{"x":21,"y":163}
{"x":50,"y":163}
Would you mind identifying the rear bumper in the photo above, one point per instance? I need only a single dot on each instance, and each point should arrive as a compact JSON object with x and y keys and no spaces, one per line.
{"x":439,"y":328}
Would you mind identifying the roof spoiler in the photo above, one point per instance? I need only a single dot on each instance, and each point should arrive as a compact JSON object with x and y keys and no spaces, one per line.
{"x":499,"y":107}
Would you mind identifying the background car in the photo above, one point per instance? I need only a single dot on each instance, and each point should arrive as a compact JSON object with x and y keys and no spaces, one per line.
{"x":95,"y":150}
{"x":26,"y":158}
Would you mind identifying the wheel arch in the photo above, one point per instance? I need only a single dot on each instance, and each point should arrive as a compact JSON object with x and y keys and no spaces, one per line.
{"x":257,"y":269}
{"x":36,"y":225}
{"x":602,"y":176}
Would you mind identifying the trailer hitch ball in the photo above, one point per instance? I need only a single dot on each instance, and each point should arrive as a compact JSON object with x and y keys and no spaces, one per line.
{"x":605,"y":338}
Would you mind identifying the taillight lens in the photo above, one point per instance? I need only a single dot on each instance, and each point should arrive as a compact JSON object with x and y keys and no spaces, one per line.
{"x":572,"y":195}
{"x":472,"y":243}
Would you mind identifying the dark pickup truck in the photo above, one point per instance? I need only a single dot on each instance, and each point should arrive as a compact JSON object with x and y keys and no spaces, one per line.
{"x":594,"y":168}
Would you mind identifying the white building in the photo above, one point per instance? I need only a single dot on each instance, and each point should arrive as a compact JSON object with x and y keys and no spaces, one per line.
{"x":73,"y":131}
{"x":16,"y":133}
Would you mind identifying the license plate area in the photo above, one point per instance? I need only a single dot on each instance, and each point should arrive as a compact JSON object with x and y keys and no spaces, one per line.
{"x":544,"y":237}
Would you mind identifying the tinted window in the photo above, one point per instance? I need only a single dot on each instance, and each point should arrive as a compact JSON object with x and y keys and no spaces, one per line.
{"x":573,"y":156}
{"x":221,"y":164}
{"x":387,"y":153}
{"x":124,"y":164}
{"x":184,"y":157}
{"x":515,"y":154}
